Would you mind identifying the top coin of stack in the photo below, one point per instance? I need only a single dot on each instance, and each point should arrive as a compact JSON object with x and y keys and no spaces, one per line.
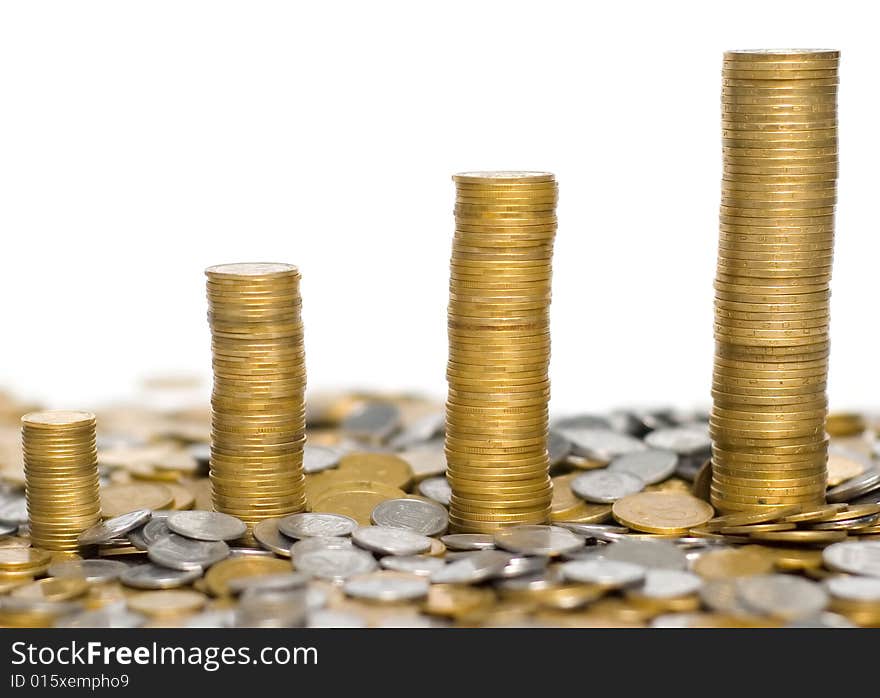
{"x":499,"y":350}
{"x":61,"y":475}
{"x":258,"y":402}
{"x":779,"y":136}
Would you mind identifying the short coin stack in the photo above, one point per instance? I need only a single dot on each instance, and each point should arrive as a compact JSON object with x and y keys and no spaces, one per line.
{"x":258,"y":402}
{"x":779,"y":111}
{"x":61,"y":475}
{"x":499,"y":350}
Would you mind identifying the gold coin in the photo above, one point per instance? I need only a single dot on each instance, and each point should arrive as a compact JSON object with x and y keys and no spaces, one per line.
{"x":801,"y":537}
{"x":733,"y":562}
{"x":52,"y":589}
{"x":119,"y":499}
{"x":24,"y":560}
{"x":356,"y":503}
{"x":218,"y":577}
{"x":662,"y":512}
{"x":171,"y":602}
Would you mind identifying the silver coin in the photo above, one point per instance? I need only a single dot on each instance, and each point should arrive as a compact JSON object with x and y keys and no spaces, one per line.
{"x":374,"y":422}
{"x":539,"y":581}
{"x":269,"y":537}
{"x":249,"y":552}
{"x":282,"y":581}
{"x":468,"y":541}
{"x":8,"y":529}
{"x":669,"y":584}
{"x":13,"y":511}
{"x":318,"y":458}
{"x":437,"y":489}
{"x":114,"y":528}
{"x":150,"y":576}
{"x":722,"y":596}
{"x":677,"y":620}
{"x":114,"y":615}
{"x":473,"y":569}
{"x":601,"y":445}
{"x":685,"y":441}
{"x":522,"y":565}
{"x":605,"y":486}
{"x":423,"y":429}
{"x":650,"y":466}
{"x":417,"y":515}
{"x":387,"y":587}
{"x":558,"y":447}
{"x":603,"y":532}
{"x":857,"y":486}
{"x":206,"y":525}
{"x":388,"y":540}
{"x":327,"y":618}
{"x":847,"y":524}
{"x":272,"y":609}
{"x":335,"y":564}
{"x":854,"y":557}
{"x":315,"y":524}
{"x":202,"y":454}
{"x":548,"y":541}
{"x":658,"y":554}
{"x":216,"y":618}
{"x":610,"y":574}
{"x":857,"y":589}
{"x":155,"y":529}
{"x":582,"y":421}
{"x":93,"y":571}
{"x":823,"y":620}
{"x":426,"y":460}
{"x":181,"y":553}
{"x":423,"y":565}
{"x":782,"y":596}
{"x":136,"y":538}
{"x":309,"y":545}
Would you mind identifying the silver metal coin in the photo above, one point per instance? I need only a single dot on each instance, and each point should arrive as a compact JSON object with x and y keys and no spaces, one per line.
{"x":150,"y":576}
{"x":423,"y":565}
{"x":283,"y":581}
{"x":93,"y":571}
{"x":426,"y":460}
{"x":249,"y":552}
{"x":610,"y":574}
{"x":206,"y":525}
{"x":13,"y":511}
{"x":181,"y":553}
{"x":603,"y":532}
{"x":8,"y":529}
{"x":417,"y":515}
{"x":436,"y":489}
{"x":318,"y":458}
{"x":155,"y":529}
{"x":216,"y":618}
{"x":473,"y":569}
{"x":328,"y":618}
{"x":685,"y":441}
{"x":669,"y":584}
{"x":857,"y":486}
{"x":857,"y":589}
{"x":854,"y":557}
{"x":601,"y":445}
{"x":606,"y":486}
{"x":309,"y":545}
{"x":468,"y":541}
{"x":388,"y":540}
{"x":582,"y":421}
{"x":114,"y":615}
{"x":658,"y":554}
{"x":308,"y":525}
{"x":539,"y":581}
{"x":423,"y":429}
{"x":722,"y":596}
{"x":546,"y":541}
{"x":522,"y":565}
{"x":272,"y":609}
{"x":335,"y":564}
{"x":558,"y":447}
{"x":115,"y":527}
{"x":374,"y":422}
{"x":650,"y":466}
{"x":136,"y":538}
{"x":823,"y":620}
{"x":387,"y":587}
{"x":269,"y":537}
{"x":782,"y":596}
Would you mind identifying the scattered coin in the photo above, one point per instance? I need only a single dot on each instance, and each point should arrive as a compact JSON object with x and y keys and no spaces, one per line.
{"x":206,"y":525}
{"x":609,"y":574}
{"x":335,"y":564}
{"x":114,"y":528}
{"x":425,"y":518}
{"x":868,"y":481}
{"x":548,"y":541}
{"x":649,"y":554}
{"x":437,"y":489}
{"x":151,"y":576}
{"x":602,"y":445}
{"x":664,"y":584}
{"x":782,"y":596}
{"x":854,"y":557}
{"x":387,"y":586}
{"x":423,"y":565}
{"x":474,"y":568}
{"x":387,"y":540}
{"x":681,"y":440}
{"x":318,"y":458}
{"x":181,"y":553}
{"x":171,"y":602}
{"x":672,"y":513}
{"x":92,"y":571}
{"x":313,"y":543}
{"x":650,"y":466}
{"x":267,"y":535}
{"x":468,"y":541}
{"x":315,"y":524}
{"x":605,"y":487}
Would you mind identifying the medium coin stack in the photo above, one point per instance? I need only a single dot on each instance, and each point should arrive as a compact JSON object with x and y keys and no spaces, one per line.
{"x":499,"y":350}
{"x":258,"y":402}
{"x":779,"y":111}
{"x":61,"y":477}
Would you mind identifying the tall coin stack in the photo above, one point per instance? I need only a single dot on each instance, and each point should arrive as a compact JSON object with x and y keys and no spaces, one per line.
{"x":499,"y":350}
{"x":61,"y":477}
{"x":779,"y":111}
{"x":258,"y":402}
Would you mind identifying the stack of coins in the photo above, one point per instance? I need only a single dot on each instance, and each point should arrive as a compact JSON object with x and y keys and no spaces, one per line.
{"x":499,"y":350}
{"x":258,"y":402}
{"x":61,"y":477}
{"x":772,"y":284}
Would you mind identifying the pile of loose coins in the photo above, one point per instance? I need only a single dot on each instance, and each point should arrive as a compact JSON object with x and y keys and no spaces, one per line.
{"x":258,"y":403}
{"x":779,"y":112}
{"x":61,"y":470}
{"x":634,"y":540}
{"x":499,"y":349}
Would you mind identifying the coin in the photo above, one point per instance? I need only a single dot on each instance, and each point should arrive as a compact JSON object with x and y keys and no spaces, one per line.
{"x":314,"y":524}
{"x":92,"y":571}
{"x":206,"y":525}
{"x":548,"y":541}
{"x":474,"y":568}
{"x":120,"y":498}
{"x":387,"y":586}
{"x":606,"y":486}
{"x":662,"y":512}
{"x":425,"y":518}
{"x":181,"y":553}
{"x":318,"y":458}
{"x":152,"y":576}
{"x":651,"y":466}
{"x":783,"y":596}
{"x":423,"y":565}
{"x":608,"y":574}
{"x":166,"y":603}
{"x":437,"y":489}
{"x":388,"y":540}
{"x":854,"y":557}
{"x":221,"y":577}
{"x":338,"y":564}
{"x":114,"y":528}
{"x":652,"y":554}
{"x":468,"y":541}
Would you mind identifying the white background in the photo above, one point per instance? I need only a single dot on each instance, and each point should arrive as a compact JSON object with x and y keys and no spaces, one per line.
{"x":141,"y":142}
